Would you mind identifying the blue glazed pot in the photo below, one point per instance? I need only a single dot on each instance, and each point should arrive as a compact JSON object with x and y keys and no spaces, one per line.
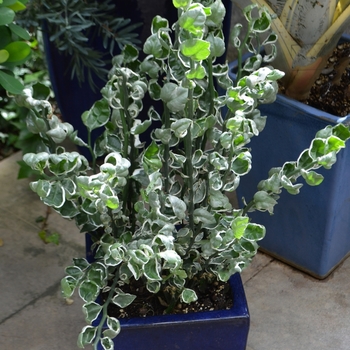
{"x":217,"y":330}
{"x":310,"y":231}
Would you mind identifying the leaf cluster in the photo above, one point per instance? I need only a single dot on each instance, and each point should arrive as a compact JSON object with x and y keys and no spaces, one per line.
{"x":160,"y":209}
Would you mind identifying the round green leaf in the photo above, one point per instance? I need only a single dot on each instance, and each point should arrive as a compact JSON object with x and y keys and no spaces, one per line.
{"x":180,"y":127}
{"x":56,"y":197}
{"x":21,"y":32}
{"x":151,"y":270}
{"x":86,"y":336}
{"x":4,"y":55}
{"x":10,"y":84}
{"x":196,"y":49}
{"x":91,"y":311}
{"x":180,"y":3}
{"x":16,"y":5}
{"x":193,"y":20}
{"x":263,"y":201}
{"x":6,"y":15}
{"x":89,"y":291}
{"x":97,"y":116}
{"x":188,"y":295}
{"x":312,"y":178}
{"x":174,"y":96}
{"x":123,"y":299}
{"x":18,"y":51}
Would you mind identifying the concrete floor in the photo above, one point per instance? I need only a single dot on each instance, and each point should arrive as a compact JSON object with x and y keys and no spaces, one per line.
{"x":289,"y":310}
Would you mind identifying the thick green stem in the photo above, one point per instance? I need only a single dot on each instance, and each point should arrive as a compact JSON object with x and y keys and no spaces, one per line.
{"x":188,"y":164}
{"x":166,"y":169}
{"x":126,"y":130}
{"x":211,"y":88}
{"x":93,"y":157}
{"x":105,"y":312}
{"x":129,"y":151}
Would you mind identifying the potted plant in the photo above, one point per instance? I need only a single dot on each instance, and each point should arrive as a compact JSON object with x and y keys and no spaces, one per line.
{"x":158,"y":215}
{"x":315,"y":224}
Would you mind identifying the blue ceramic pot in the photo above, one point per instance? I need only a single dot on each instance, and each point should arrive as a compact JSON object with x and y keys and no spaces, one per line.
{"x":217,"y":330}
{"x":310,"y":231}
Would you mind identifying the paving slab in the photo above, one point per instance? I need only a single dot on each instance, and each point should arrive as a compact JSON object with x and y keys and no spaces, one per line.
{"x":290,"y":310}
{"x":32,"y":310}
{"x":47,"y":323}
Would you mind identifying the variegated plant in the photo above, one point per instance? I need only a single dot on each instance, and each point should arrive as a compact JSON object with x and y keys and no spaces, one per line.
{"x":159,"y":211}
{"x":308,"y":31}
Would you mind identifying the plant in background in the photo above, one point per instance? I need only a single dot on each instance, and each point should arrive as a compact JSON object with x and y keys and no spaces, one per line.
{"x":14,"y":49}
{"x":308,"y":32}
{"x":72,"y":24}
{"x":159,"y":213}
{"x":14,"y":133}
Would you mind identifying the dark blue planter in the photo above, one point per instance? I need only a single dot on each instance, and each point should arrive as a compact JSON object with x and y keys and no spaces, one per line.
{"x":219,"y":330}
{"x":310,"y":231}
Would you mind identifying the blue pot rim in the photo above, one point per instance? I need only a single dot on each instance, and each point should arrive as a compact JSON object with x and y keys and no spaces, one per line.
{"x":239,"y":310}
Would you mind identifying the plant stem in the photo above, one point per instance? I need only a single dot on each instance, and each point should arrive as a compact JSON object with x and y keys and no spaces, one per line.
{"x":240,"y":52}
{"x":104,"y":311}
{"x":188,"y":164}
{"x":93,"y":156}
{"x":166,"y":172}
{"x":212,"y":97}
{"x":129,"y":151}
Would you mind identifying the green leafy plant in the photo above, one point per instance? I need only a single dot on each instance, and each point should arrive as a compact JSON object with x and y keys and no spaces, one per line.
{"x":13,"y":128}
{"x":14,"y":49}
{"x":159,"y":212}
{"x":73,"y":24}
{"x":308,"y":32}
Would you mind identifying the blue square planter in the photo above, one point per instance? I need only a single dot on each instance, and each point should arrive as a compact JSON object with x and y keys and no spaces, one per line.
{"x":310,"y":231}
{"x":217,"y":330}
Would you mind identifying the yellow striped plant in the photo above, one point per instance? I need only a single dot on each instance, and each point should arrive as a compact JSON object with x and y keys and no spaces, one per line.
{"x":308,"y":31}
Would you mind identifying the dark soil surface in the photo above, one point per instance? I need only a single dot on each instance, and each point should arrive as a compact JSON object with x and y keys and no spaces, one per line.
{"x":331,"y":92}
{"x":216,"y":297}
